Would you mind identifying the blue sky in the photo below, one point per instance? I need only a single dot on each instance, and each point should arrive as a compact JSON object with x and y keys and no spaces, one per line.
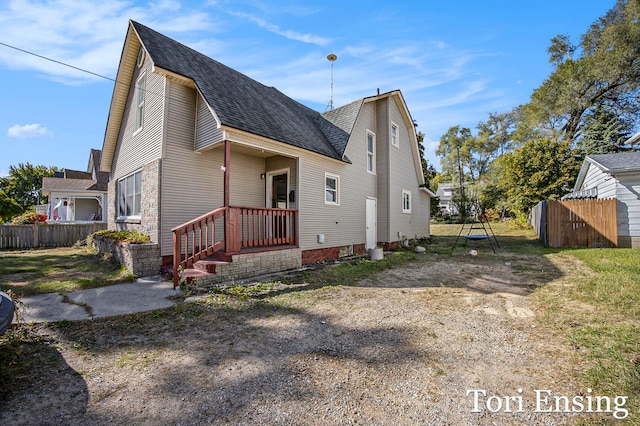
{"x":454,"y":61}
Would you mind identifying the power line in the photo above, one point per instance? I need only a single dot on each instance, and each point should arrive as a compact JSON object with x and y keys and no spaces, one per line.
{"x":58,"y":62}
{"x":87,"y":71}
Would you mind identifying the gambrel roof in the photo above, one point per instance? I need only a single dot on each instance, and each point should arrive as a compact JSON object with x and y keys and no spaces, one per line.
{"x":243,"y":103}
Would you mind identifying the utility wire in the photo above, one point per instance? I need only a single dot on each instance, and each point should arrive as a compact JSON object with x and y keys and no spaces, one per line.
{"x":87,"y":71}
{"x":58,"y":62}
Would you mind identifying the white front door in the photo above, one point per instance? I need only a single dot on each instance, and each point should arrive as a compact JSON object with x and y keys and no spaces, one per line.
{"x":371,"y":223}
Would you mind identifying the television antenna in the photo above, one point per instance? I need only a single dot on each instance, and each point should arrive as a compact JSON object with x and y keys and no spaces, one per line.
{"x":331,"y":57}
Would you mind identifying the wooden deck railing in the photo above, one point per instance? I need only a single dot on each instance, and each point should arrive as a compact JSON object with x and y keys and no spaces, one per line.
{"x":232,"y":229}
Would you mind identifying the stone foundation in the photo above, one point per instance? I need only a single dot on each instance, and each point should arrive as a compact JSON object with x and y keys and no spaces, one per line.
{"x":141,"y":260}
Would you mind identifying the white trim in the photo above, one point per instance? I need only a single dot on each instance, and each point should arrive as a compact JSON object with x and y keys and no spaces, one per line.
{"x":269,"y":186}
{"x":397,"y":138}
{"x":427,"y":190}
{"x":324,"y":192}
{"x":370,"y":153}
{"x":136,"y":217}
{"x":375,"y":223}
{"x":139,"y":106}
{"x":405,"y":192}
{"x":141,"y":56}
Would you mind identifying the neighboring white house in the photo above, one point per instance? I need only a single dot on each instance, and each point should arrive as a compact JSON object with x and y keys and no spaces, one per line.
{"x":76,"y":196}
{"x":445,"y":194}
{"x":189,"y":137}
{"x":614,"y":176}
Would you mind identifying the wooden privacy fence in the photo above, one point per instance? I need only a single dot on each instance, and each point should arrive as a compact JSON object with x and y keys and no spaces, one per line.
{"x":50,"y":235}
{"x":581,"y":223}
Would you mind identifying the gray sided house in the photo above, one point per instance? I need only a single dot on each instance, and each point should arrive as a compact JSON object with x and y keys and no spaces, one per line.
{"x":77,"y":196}
{"x":224,"y":172}
{"x":614,"y":176}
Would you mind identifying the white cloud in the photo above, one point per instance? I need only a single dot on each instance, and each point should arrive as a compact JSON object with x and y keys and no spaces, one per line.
{"x":28,"y":131}
{"x":290,"y":34}
{"x":86,"y":35}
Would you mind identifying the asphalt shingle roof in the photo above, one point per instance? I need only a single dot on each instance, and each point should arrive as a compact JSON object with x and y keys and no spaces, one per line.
{"x":623,"y":161}
{"x":243,"y":103}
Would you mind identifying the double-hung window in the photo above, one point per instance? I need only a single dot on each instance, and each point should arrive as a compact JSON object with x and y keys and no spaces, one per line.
{"x":129,"y":196}
{"x":139,"y":100}
{"x":371,"y":152}
{"x":394,"y":135}
{"x":331,"y":189}
{"x":406,"y":201}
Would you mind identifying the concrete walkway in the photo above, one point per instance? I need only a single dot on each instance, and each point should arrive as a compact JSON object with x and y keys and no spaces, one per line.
{"x":145,"y":294}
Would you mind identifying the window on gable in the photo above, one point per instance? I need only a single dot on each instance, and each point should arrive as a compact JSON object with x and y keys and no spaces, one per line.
{"x":331,"y":189}
{"x":371,"y":152}
{"x":394,"y":135}
{"x":129,"y":195}
{"x":140,"y":102}
{"x":406,"y":201}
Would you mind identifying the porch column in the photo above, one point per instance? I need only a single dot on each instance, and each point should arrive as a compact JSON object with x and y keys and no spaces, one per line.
{"x":227,"y":157}
{"x":231,"y":218}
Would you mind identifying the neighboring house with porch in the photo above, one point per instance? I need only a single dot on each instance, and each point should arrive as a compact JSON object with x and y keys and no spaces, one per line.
{"x":614,"y":176}
{"x":224,"y":172}
{"x":76,"y":196}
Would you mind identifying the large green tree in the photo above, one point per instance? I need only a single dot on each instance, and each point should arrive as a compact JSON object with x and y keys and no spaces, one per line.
{"x":541,"y":169}
{"x":604,"y":132}
{"x":24,"y":184}
{"x":604,"y":68}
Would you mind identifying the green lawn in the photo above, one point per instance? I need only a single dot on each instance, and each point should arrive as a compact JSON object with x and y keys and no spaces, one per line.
{"x":28,"y":272}
{"x":598,"y":312}
{"x":588,"y":297}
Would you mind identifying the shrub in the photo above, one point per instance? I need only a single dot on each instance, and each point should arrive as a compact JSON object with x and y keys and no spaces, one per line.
{"x":29,"y":218}
{"x":491,"y":215}
{"x":125,"y":236}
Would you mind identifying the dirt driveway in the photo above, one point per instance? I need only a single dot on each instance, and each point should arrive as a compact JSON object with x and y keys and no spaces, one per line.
{"x":403,"y":347}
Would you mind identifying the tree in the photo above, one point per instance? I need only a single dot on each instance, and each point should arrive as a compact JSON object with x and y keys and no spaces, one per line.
{"x":454,"y":151}
{"x":604,"y":132}
{"x":8,"y":208}
{"x":603,"y":68}
{"x":429,"y":173}
{"x":542,"y":169}
{"x":24,"y":184}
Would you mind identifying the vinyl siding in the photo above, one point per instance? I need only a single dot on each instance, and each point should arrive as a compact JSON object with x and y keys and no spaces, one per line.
{"x":341,"y":225}
{"x":192,"y":183}
{"x":596,"y":178}
{"x":403,"y":177}
{"x":207,"y":132}
{"x":627,"y":189}
{"x":134,"y":151}
{"x":246,"y":187}
{"x":382,"y":162}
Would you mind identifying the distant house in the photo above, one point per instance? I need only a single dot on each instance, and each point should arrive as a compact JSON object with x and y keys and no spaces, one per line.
{"x":212,"y":164}
{"x":76,"y":196}
{"x":614,"y":176}
{"x":445,"y":195}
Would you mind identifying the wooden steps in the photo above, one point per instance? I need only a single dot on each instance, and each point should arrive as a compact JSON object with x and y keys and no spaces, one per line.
{"x":201,"y":268}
